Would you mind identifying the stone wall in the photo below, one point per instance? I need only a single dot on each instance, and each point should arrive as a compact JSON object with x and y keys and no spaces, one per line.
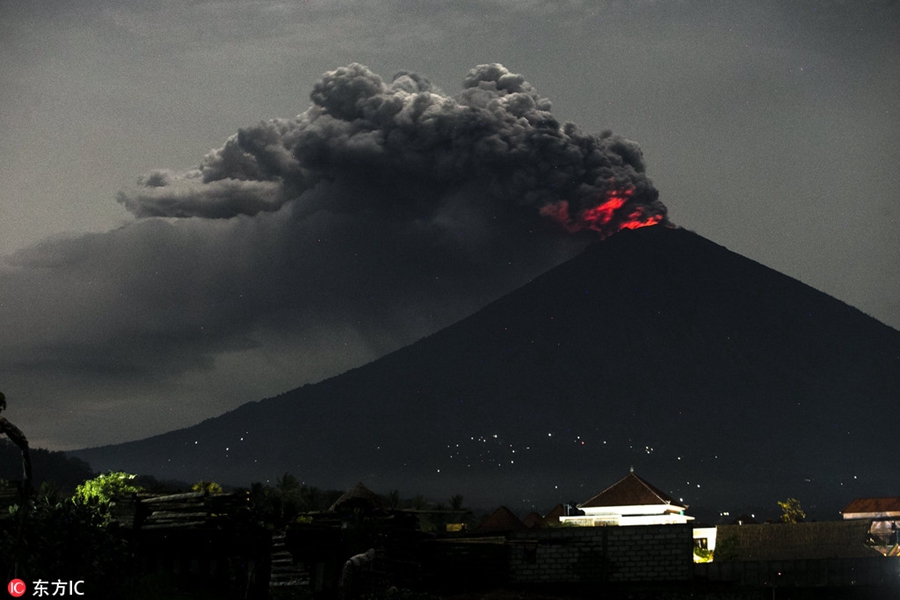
{"x":589,"y":555}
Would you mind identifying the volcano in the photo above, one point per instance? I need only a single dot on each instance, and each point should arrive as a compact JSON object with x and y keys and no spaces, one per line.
{"x":724,"y":382}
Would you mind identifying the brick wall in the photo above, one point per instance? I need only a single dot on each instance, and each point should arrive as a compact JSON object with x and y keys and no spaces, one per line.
{"x":652,"y":553}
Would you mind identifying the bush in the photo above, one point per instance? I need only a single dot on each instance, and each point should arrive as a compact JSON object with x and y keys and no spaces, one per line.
{"x":103,"y":488}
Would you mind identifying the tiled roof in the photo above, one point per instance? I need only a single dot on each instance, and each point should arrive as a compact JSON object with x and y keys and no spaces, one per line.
{"x":873,"y":505}
{"x":501,"y":519}
{"x":552,"y":517}
{"x":532,"y":519}
{"x":631,"y":490}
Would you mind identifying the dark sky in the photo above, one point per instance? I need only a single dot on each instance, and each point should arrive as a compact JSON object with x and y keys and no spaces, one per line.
{"x":169,"y":251}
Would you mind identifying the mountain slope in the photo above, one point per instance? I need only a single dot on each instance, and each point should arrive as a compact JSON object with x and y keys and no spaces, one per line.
{"x":721,"y":381}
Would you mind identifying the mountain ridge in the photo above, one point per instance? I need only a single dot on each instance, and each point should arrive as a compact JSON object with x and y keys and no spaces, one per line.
{"x":655,"y":348}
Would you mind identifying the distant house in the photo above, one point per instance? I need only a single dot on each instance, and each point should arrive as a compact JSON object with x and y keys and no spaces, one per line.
{"x":884,"y":517}
{"x":501,"y":520}
{"x":552,"y":517}
{"x":630,"y":501}
{"x":359,"y":497}
{"x":872,"y":508}
{"x":533,"y":519}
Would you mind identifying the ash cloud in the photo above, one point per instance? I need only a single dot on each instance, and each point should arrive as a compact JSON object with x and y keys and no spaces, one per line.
{"x":497,"y":133}
{"x":301,"y":248}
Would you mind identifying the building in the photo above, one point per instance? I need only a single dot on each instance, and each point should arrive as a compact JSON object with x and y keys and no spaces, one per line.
{"x":872,"y":508}
{"x":629,"y":501}
{"x":884,"y":517}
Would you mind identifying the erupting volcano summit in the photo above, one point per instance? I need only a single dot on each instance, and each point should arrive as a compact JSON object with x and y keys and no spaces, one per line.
{"x":496,"y":141}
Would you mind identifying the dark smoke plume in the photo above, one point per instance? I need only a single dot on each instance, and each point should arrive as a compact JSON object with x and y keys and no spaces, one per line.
{"x":378,"y":216}
{"x":497,"y":134}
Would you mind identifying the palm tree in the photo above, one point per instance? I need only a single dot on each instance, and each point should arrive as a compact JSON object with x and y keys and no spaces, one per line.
{"x":287,"y":483}
{"x":312,"y":498}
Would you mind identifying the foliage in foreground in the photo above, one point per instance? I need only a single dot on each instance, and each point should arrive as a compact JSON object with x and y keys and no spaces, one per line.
{"x":103,"y":488}
{"x":70,"y":538}
{"x":63,"y":540}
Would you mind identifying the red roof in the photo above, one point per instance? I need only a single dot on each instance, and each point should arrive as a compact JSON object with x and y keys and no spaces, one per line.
{"x":872,"y":505}
{"x":631,"y":490}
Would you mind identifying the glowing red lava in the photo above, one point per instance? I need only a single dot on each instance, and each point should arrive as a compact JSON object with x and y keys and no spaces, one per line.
{"x":604,"y":217}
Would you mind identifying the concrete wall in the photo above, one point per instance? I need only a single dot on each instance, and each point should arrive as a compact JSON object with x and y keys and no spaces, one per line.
{"x":602,"y":554}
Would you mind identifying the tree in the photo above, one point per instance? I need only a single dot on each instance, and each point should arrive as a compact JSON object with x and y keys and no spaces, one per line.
{"x":287,"y":483}
{"x":312,"y":498}
{"x":791,"y":511}
{"x":102,"y":488}
{"x":210,"y":487}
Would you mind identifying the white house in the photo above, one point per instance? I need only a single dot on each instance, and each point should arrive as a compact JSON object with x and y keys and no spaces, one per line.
{"x":630,"y":501}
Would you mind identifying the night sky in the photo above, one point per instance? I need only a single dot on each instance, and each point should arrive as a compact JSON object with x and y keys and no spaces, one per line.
{"x":169,"y":251}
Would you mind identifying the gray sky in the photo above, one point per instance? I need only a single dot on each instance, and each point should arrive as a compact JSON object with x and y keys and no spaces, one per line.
{"x":769,"y":127}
